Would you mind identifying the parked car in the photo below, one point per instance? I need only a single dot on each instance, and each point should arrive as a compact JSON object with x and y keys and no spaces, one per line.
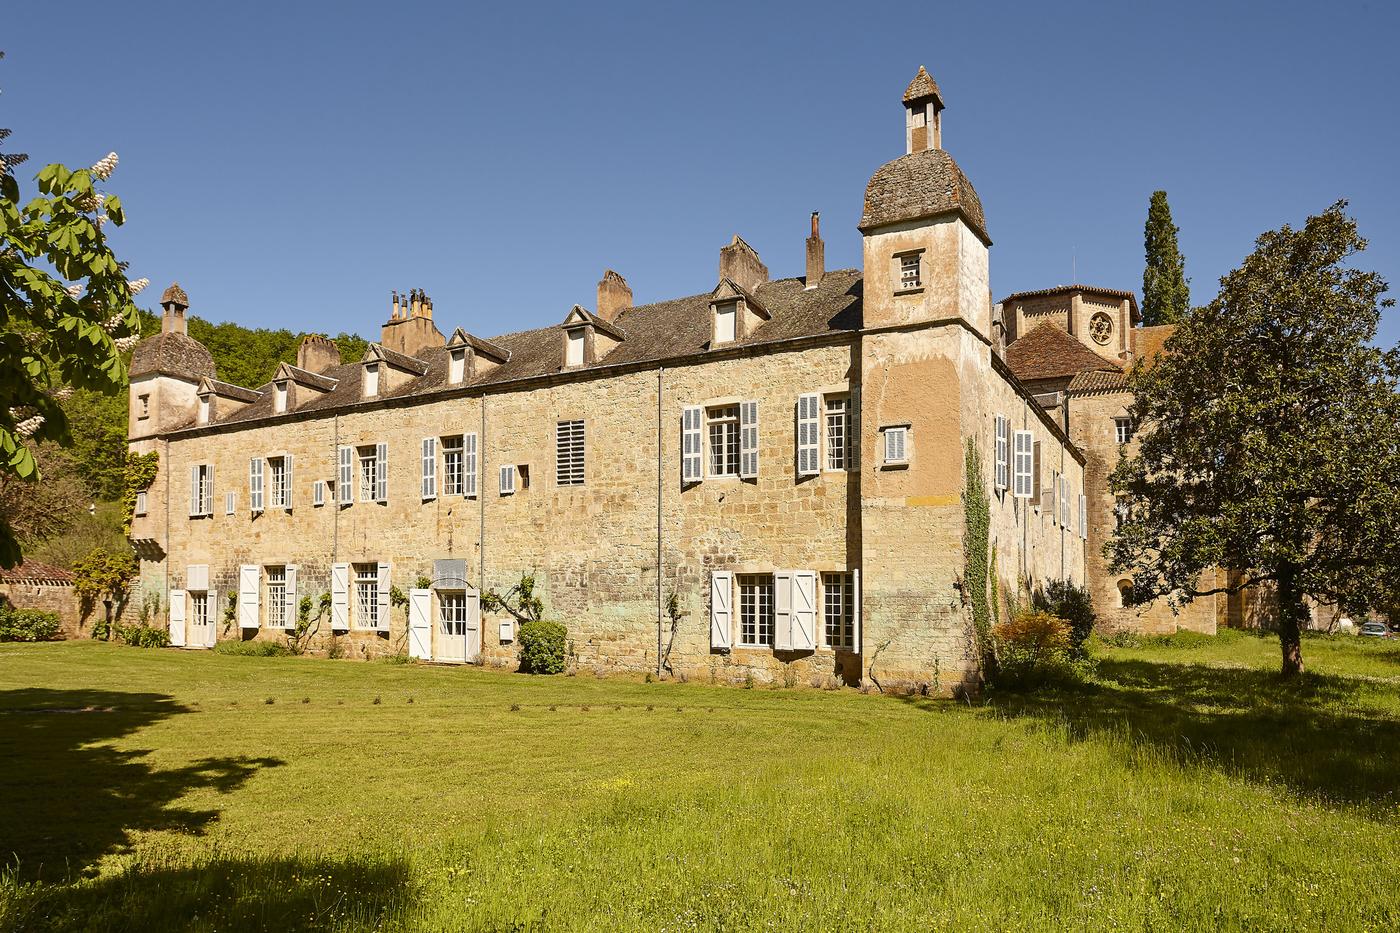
{"x":1375,"y":629}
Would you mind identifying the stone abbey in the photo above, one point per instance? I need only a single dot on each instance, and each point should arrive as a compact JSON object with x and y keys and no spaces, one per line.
{"x":759,"y":481}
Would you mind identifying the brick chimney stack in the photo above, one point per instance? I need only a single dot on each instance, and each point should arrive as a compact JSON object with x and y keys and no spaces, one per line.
{"x":174,"y":301}
{"x":317,"y":353}
{"x":614,"y":296}
{"x":739,"y":263}
{"x":816,"y":253}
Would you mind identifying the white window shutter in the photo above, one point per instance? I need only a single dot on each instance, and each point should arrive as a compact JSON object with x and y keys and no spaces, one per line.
{"x":507,"y":481}
{"x":808,"y":436}
{"x":289,"y":483}
{"x":346,"y":493}
{"x":214,"y":618}
{"x":804,"y":610}
{"x":429,"y":474}
{"x":318,"y":492}
{"x":177,"y":618}
{"x":1002,"y":427}
{"x":381,"y":472}
{"x":289,"y":615}
{"x":248,"y":580}
{"x":782,"y":610}
{"x":207,"y":502}
{"x":748,"y":440}
{"x":255,"y":484}
{"x":197,"y":577}
{"x":692,"y":421}
{"x":855,"y":609}
{"x":1083,"y":517}
{"x":469,"y":466}
{"x":721,"y":610}
{"x":340,"y":597}
{"x":385,"y":581}
{"x":194,"y":491}
{"x":1024,"y":463}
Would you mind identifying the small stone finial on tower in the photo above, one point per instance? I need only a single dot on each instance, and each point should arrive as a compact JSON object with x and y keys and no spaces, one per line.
{"x":923,"y":108}
{"x":174,"y":301}
{"x":816,"y":253}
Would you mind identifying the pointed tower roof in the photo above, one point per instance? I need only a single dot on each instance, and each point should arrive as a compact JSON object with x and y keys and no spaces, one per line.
{"x":175,"y":295}
{"x":923,"y":87}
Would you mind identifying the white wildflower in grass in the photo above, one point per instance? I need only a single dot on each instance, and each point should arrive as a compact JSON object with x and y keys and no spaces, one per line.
{"x":138,"y":285}
{"x":105,"y":166}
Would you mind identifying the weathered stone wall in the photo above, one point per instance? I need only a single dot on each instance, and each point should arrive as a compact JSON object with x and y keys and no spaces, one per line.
{"x":49,"y":597}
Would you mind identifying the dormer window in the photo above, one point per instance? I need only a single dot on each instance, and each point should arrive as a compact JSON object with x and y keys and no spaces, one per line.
{"x":204,"y":407}
{"x":279,"y":397}
{"x":726,"y":322}
{"x":573,"y":352}
{"x":456,"y":366}
{"x":371,"y":379}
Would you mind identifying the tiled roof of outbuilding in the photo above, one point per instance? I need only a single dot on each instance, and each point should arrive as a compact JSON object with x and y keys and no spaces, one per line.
{"x":176,"y":354}
{"x":920,"y":185}
{"x":32,"y":571}
{"x":666,"y":330}
{"x":1148,"y":341}
{"x":1048,"y":352}
{"x":1099,"y":381}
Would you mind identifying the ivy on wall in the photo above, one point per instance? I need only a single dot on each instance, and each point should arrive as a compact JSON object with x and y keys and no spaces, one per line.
{"x":141,"y":472}
{"x":977,"y":527}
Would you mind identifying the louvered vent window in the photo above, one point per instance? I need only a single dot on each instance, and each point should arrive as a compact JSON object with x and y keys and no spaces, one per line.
{"x":569,"y":453}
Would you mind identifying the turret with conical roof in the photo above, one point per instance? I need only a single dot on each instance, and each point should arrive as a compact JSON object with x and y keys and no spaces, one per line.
{"x":165,"y":371}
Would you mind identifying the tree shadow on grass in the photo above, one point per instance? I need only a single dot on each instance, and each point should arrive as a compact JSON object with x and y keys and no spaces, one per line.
{"x":70,"y":797}
{"x":1311,"y":736}
{"x":218,"y":894}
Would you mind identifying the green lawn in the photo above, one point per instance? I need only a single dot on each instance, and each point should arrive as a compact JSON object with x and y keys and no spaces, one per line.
{"x":1184,"y":788}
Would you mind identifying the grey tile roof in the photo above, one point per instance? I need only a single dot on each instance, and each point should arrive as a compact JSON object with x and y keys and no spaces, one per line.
{"x":394,"y":358}
{"x":229,"y":390}
{"x":921,"y":185}
{"x":922,"y":86}
{"x":324,"y":381}
{"x":175,"y":354}
{"x":667,"y":330}
{"x":174,"y":293}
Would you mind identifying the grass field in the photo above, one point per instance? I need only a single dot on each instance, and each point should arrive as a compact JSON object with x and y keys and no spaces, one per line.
{"x":1183,"y":787}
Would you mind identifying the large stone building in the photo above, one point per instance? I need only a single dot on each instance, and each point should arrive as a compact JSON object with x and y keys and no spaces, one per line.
{"x":762,"y":480}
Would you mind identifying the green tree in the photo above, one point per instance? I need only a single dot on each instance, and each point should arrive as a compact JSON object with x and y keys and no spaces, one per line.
{"x":65,"y":307}
{"x":1270,"y":437}
{"x":1166,"y":297}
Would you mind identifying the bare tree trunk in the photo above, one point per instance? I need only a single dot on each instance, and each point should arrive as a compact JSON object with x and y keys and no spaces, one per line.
{"x":1290,"y":616}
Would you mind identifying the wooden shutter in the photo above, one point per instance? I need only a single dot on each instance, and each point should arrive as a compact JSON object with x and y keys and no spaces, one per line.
{"x":721,"y":610}
{"x":197,"y":577}
{"x":1083,"y":517}
{"x":1002,"y":428}
{"x":346,"y":493}
{"x":469,"y":466}
{"x":289,"y":483}
{"x":748,"y":440}
{"x":289,"y":615}
{"x":855,"y":610}
{"x":177,"y":618}
{"x":385,"y":582}
{"x":194,"y":491}
{"x":420,"y":626}
{"x":212,"y":616}
{"x":248,"y":596}
{"x":1024,"y":447}
{"x":381,"y":472}
{"x":804,"y":610}
{"x":808,"y":434}
{"x":782,"y":610}
{"x":853,"y":442}
{"x":507,"y":480}
{"x":255,"y":484}
{"x":1036,"y":491}
{"x":340,"y":597}
{"x":429,"y":473}
{"x":318,"y":492}
{"x":692,"y":459}
{"x":206,"y":504}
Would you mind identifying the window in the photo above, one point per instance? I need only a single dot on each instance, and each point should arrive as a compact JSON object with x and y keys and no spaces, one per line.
{"x":1125,"y":594}
{"x":569,"y":452}
{"x":369,"y":473}
{"x":573,"y":353}
{"x":367,"y":595}
{"x":277,"y":483}
{"x":204,"y":409}
{"x":457,"y":366}
{"x":896,"y":444}
{"x":724,"y":440}
{"x":277,"y":597}
{"x":279,"y":398}
{"x":452,"y":613}
{"x":726,"y":318}
{"x":507,"y":480}
{"x":910,"y":273}
{"x":838,"y":609}
{"x":230,"y":502}
{"x":1120,"y":513}
{"x":202,"y":490}
{"x":140,"y":502}
{"x":1123,"y":430}
{"x":452,"y":466}
{"x":371,"y":379}
{"x":318,"y":493}
{"x":1003,"y":439}
{"x":199,"y":602}
{"x":756,"y":610}
{"x":145,"y":406}
{"x":838,"y":432}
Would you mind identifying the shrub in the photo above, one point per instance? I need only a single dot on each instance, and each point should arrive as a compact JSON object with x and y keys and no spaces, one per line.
{"x":1068,"y":600}
{"x":142,"y":636}
{"x":253,"y":649}
{"x":543,"y":646}
{"x":1032,"y":648}
{"x":28,"y":625}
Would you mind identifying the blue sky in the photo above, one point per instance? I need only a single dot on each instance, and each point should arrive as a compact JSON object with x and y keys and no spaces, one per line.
{"x":292,"y":163}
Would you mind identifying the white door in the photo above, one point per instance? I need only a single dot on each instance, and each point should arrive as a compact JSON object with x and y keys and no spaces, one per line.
{"x":473,"y":646}
{"x":199,"y":626}
{"x":420,"y":625}
{"x":452,"y":626}
{"x":177,"y":618}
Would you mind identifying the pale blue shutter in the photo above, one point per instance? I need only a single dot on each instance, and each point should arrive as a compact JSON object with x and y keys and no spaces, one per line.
{"x":748,"y":440}
{"x":808,"y":434}
{"x":346,"y":493}
{"x":288,"y":484}
{"x":692,"y":419}
{"x":194,"y":491}
{"x":381,"y":473}
{"x":469,"y":466}
{"x":429,"y":472}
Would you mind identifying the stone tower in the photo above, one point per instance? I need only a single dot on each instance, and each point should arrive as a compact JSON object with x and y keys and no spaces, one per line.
{"x":165,"y":373}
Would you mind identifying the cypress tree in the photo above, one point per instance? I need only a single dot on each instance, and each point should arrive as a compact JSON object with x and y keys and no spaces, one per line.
{"x":1165,"y":294}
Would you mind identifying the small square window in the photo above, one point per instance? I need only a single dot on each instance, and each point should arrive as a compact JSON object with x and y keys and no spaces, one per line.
{"x":145,"y":407}
{"x":896,"y":447}
{"x":1123,"y":430}
{"x":911,"y":271}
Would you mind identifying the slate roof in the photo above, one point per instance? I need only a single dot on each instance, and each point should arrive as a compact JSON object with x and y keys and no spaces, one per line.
{"x":229,"y":390}
{"x":1049,"y":352}
{"x":402,"y":360}
{"x":666,"y":330}
{"x":922,"y":86}
{"x":32,"y":571}
{"x":919,"y":185}
{"x":598,"y":323}
{"x":176,"y":294}
{"x":306,"y":377}
{"x":172,"y":353}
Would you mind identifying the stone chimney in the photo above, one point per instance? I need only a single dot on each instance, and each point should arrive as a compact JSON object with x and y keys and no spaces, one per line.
{"x":923,"y":114}
{"x":614,"y":296}
{"x":739,"y":263}
{"x":317,"y":354}
{"x":816,"y":253}
{"x":174,"y":301}
{"x":410,"y":328}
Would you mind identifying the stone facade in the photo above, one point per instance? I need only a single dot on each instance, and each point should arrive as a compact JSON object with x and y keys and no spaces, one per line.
{"x":631,"y":548}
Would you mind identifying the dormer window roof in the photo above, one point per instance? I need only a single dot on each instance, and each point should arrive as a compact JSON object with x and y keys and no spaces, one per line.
{"x":469,"y":356}
{"x":218,"y":399}
{"x":587,"y":337}
{"x":735,"y":313}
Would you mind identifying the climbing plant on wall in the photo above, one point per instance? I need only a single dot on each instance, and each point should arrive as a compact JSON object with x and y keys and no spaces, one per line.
{"x":977,"y":527}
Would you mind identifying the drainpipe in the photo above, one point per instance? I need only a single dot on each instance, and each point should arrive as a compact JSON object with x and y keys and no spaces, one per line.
{"x":335,"y":458}
{"x":659,"y":608}
{"x":481,"y":507}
